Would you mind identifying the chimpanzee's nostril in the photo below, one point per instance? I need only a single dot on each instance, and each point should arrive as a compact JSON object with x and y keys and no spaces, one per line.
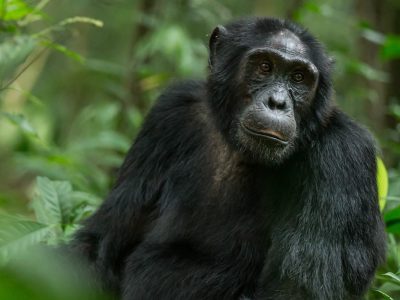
{"x":274,"y":103}
{"x":281,"y":105}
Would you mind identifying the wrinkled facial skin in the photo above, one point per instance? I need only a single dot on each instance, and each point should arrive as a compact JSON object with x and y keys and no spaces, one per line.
{"x":279,"y":83}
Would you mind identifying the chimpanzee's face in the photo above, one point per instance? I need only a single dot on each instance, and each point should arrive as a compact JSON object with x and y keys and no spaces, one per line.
{"x":279,"y":82}
{"x":269,"y":83}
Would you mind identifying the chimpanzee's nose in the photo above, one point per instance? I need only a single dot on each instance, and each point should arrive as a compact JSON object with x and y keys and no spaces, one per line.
{"x":276,"y":102}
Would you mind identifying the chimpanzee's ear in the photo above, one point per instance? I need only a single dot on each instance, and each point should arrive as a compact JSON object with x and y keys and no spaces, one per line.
{"x":332,"y":61}
{"x":215,"y":38}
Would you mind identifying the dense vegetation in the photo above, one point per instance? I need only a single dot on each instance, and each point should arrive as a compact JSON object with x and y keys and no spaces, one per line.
{"x":77,"y":77}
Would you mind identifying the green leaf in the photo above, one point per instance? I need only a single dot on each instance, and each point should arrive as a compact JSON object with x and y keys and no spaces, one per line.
{"x":393,"y":227}
{"x":51,"y":202}
{"x":382,"y":182}
{"x":21,"y":122}
{"x":81,"y":197}
{"x":386,"y":296}
{"x":64,"y":50}
{"x":392,"y":220}
{"x":393,"y":277}
{"x":392,"y":214}
{"x":391,"y":47}
{"x":15,"y":10}
{"x":16,"y":235}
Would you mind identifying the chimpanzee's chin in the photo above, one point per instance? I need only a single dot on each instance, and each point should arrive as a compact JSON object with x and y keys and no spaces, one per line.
{"x":262,"y":149}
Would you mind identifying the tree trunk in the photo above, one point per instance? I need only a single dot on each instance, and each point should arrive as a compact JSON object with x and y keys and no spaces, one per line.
{"x":383,"y":17}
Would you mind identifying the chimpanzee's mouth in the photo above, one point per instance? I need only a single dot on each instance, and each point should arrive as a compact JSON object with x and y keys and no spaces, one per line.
{"x":266,"y":133}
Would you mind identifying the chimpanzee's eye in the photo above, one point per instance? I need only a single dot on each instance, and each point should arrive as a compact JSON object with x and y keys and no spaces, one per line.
{"x":298,"y":77}
{"x":265,"y":68}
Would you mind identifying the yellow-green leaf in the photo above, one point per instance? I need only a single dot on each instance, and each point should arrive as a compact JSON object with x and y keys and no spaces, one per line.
{"x":382,"y":182}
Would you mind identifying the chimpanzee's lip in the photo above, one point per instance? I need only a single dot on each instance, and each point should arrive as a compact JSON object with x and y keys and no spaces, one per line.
{"x":265,"y":133}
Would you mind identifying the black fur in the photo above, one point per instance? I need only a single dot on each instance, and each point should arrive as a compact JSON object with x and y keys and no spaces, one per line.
{"x":192,"y":217}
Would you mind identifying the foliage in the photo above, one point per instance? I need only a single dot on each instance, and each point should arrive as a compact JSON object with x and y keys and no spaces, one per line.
{"x":57,"y":209}
{"x":73,"y":92}
{"x":382,"y":181}
{"x":37,"y":276}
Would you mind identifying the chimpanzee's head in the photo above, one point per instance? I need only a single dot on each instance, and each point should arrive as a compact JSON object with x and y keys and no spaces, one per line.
{"x":269,"y":86}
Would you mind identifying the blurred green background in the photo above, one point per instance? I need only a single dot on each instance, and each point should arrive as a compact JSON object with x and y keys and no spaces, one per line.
{"x":78,"y":76}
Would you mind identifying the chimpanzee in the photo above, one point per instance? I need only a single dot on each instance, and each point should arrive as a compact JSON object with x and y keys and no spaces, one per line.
{"x":251,"y":184}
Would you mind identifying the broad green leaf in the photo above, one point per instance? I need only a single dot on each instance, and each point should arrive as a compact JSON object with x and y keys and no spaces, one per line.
{"x":51,"y":202}
{"x":391,"y":47}
{"x":83,"y":205}
{"x":382,"y":182}
{"x":393,"y":277}
{"x":386,"y":296}
{"x":78,"y":198}
{"x":393,"y":214}
{"x":13,"y":52}
{"x":70,"y":230}
{"x":392,"y":220}
{"x":64,"y":192}
{"x":393,"y":227}
{"x":21,"y":122}
{"x":15,"y":10}
{"x":17,"y":235}
{"x":82,"y":212}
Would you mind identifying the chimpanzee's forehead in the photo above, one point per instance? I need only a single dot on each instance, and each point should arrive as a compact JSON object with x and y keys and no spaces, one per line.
{"x":286,"y":41}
